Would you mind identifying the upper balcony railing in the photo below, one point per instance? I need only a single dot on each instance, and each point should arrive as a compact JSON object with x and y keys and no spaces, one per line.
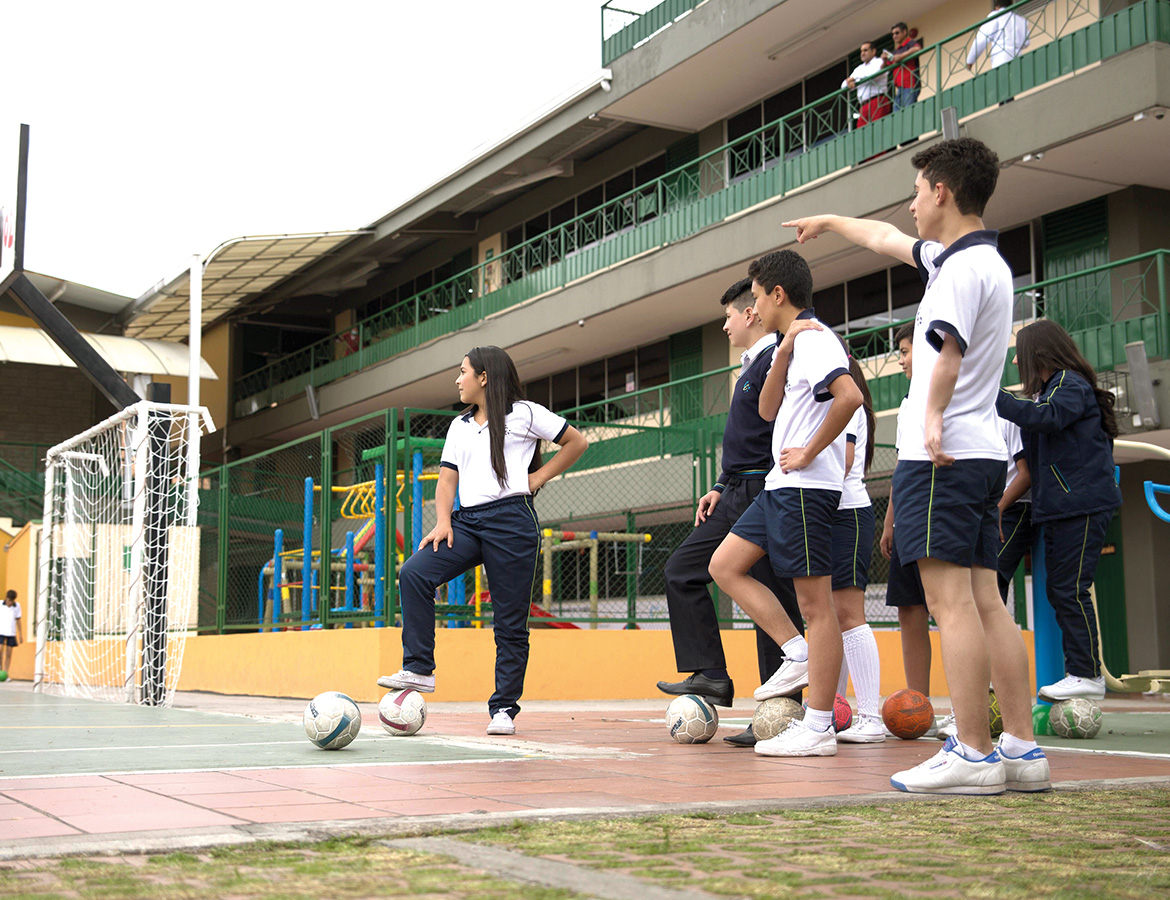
{"x":1104,"y":308}
{"x":623,"y":28}
{"x":814,"y":141}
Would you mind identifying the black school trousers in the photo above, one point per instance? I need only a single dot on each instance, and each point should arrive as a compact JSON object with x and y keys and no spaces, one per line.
{"x":505,"y":537}
{"x":694,"y":626}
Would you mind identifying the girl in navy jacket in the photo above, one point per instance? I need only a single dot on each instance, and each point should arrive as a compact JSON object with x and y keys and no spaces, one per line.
{"x":1070,"y":427}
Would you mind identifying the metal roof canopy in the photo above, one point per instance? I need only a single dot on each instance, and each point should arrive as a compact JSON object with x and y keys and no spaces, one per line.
{"x":124,"y":354}
{"x":234,"y":270}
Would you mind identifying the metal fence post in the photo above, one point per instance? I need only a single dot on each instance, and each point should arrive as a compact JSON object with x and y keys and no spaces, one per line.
{"x":631,"y":575}
{"x":223,"y":549}
{"x":325,"y":579}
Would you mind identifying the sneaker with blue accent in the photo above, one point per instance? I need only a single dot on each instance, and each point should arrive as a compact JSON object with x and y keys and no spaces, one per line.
{"x":949,"y":772}
{"x":1027,"y":773}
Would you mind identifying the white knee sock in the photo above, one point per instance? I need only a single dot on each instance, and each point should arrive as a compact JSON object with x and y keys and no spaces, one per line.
{"x":795,"y":648}
{"x":843,"y":678}
{"x":861,"y":656}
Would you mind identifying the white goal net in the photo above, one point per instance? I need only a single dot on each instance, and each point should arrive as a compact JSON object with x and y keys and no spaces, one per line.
{"x":119,"y":560}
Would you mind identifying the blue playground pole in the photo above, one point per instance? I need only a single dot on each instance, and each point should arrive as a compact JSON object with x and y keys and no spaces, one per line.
{"x":416,"y":501}
{"x":1046,"y":633}
{"x":307,"y":560}
{"x":349,"y":581}
{"x":277,"y":552}
{"x":379,"y":543}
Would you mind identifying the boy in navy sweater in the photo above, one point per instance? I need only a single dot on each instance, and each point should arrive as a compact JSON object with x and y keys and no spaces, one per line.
{"x":952,"y":463}
{"x":747,"y":457}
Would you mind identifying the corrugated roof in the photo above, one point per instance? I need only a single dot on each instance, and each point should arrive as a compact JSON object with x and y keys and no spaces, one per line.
{"x":235,"y":270}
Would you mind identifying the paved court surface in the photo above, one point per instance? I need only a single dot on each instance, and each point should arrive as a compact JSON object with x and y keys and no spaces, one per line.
{"x":222,"y":766}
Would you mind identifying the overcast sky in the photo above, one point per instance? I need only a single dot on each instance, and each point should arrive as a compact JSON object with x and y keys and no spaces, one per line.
{"x":162,"y":128}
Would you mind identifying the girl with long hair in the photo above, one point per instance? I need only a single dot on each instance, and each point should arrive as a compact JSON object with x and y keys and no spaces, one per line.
{"x":853,"y":534}
{"x":1070,"y":426}
{"x":492,"y":458}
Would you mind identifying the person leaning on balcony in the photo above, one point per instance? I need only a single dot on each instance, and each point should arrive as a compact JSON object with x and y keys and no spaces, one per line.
{"x":1003,"y":37}
{"x":906,"y":84}
{"x":871,"y":94}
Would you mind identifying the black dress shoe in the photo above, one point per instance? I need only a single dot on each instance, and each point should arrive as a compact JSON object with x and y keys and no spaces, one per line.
{"x":745,"y":738}
{"x":719,"y":691}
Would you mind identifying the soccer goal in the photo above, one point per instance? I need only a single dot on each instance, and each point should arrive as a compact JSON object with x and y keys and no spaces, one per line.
{"x":119,"y":556}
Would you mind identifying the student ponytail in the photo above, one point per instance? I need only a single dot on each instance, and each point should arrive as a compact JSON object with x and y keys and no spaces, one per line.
{"x":1045,"y":346}
{"x":500,"y":393}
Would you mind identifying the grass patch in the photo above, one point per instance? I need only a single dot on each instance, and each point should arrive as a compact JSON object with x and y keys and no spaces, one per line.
{"x":1112,"y":845}
{"x":1068,"y":844}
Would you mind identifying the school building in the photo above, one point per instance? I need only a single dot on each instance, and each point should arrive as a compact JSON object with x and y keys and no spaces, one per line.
{"x":593,"y":244}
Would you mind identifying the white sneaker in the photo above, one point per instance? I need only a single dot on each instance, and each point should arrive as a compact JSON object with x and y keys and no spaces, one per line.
{"x":949,"y":772}
{"x":403,"y":680}
{"x":932,"y":731}
{"x":501,"y":723}
{"x":1025,"y":773}
{"x":788,"y":679}
{"x":1075,"y":686}
{"x":864,"y":730}
{"x":799,"y":740}
{"x":946,"y":728}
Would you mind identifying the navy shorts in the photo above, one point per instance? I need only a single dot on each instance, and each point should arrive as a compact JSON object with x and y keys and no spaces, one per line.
{"x":904,"y":586}
{"x":949,"y":513}
{"x":852,"y":547}
{"x":794,"y":527}
{"x":7,"y":640}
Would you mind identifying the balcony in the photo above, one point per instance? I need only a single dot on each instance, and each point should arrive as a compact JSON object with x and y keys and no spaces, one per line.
{"x":810,"y":144}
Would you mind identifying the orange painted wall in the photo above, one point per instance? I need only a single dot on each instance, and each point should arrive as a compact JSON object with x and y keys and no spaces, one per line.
{"x":564,"y":665}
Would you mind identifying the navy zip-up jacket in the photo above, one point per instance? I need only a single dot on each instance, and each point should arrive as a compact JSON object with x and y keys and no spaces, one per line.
{"x":1069,"y":453}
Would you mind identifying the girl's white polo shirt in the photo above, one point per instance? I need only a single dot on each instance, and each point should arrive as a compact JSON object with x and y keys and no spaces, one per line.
{"x":468,"y":451}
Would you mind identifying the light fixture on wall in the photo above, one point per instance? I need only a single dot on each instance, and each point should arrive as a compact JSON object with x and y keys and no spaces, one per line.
{"x":1142,"y":384}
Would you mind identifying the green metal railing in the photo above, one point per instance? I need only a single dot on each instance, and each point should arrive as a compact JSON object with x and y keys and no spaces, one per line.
{"x":622,"y":28}
{"x":1104,"y":308}
{"x":806,"y":145}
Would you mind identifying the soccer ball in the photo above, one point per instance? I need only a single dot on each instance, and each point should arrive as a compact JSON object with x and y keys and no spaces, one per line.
{"x":691,"y":719}
{"x":994,"y":716}
{"x":1076,"y":718}
{"x":332,"y":720}
{"x":908,"y":714}
{"x":402,"y":712}
{"x":772,"y":717}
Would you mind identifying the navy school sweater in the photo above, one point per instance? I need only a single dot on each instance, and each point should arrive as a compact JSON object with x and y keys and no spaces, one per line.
{"x":747,"y":438}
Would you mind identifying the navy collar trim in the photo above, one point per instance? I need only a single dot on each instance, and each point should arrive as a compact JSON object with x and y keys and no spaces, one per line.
{"x":807,"y":313}
{"x":974,"y":239}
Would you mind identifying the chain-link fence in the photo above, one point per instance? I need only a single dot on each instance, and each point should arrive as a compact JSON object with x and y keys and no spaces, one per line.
{"x":364,"y":495}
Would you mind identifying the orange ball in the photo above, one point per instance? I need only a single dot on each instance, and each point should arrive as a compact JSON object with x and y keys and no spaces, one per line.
{"x":908,"y":714}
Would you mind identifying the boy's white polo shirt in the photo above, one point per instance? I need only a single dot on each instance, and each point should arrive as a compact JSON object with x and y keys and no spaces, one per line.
{"x":818,"y":359}
{"x":969,"y":296}
{"x":468,"y":451}
{"x":853,"y":494}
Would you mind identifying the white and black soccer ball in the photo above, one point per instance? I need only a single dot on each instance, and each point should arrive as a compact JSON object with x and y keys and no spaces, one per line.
{"x":332,"y":720}
{"x":402,"y":713}
{"x":691,"y":719}
{"x":772,"y":717}
{"x":1076,"y":718}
